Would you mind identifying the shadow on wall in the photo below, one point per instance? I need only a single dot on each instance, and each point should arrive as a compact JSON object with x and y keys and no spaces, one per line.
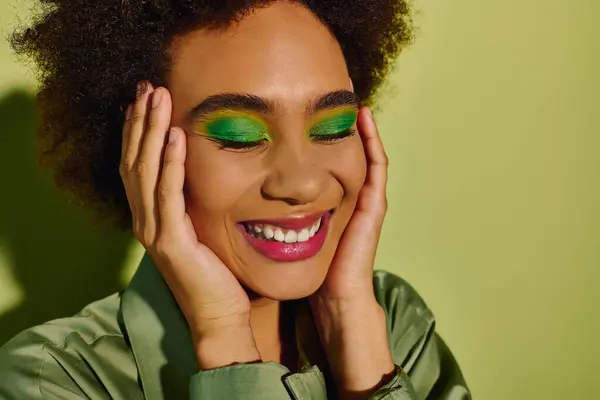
{"x":59,"y":258}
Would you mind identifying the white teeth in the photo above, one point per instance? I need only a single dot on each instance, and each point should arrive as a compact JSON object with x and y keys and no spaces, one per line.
{"x":279,"y":236}
{"x":304,"y":235}
{"x":268,"y":232}
{"x":291,"y":237}
{"x":315,"y":227}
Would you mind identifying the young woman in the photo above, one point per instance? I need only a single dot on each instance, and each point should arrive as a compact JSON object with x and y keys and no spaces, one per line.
{"x":252,"y":172}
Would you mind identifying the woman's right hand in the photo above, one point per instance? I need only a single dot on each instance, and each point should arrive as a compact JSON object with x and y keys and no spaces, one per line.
{"x":215,"y":305}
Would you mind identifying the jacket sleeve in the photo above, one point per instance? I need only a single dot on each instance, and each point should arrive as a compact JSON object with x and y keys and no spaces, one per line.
{"x":259,"y":381}
{"x":436,"y":373}
{"x":450,"y":384}
{"x":272,"y":381}
{"x":399,"y":388}
{"x":427,"y":368}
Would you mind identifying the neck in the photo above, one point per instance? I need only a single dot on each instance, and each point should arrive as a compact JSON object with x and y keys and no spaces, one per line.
{"x":273,"y":326}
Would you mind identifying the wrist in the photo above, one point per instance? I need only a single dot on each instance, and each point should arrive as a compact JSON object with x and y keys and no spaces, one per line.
{"x":343,"y":323}
{"x":225,"y":344}
{"x":346,"y":311}
{"x":354,"y":336}
{"x":360,"y":291}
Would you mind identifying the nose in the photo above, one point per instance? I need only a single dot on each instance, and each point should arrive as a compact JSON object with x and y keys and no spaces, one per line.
{"x":295,"y":175}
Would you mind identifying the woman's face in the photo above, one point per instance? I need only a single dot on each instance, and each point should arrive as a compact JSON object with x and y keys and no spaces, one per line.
{"x":272,"y":174}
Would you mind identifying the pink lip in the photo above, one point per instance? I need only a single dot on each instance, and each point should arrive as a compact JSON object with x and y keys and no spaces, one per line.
{"x":290,"y":223}
{"x":288,"y":252}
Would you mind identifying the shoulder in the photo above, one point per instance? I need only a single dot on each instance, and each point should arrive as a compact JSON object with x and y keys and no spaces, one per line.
{"x":415,"y":345}
{"x":410,"y":322}
{"x":402,"y":304}
{"x":57,"y":356}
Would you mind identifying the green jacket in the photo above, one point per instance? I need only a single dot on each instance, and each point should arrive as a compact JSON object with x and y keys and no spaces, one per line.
{"x":136,"y":345}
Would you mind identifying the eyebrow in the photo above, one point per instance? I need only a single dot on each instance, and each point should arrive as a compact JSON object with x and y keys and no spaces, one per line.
{"x":250,"y":102}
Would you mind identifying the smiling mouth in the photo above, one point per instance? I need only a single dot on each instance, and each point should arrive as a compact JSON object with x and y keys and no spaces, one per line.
{"x":291,"y":239}
{"x":274,"y":233}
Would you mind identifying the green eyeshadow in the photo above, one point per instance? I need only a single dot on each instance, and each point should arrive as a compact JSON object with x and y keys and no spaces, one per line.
{"x":235,"y":127}
{"x":334,"y":121}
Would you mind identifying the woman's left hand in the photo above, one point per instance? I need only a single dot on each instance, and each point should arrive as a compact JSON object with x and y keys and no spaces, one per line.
{"x":351,"y":324}
{"x":351,"y":272}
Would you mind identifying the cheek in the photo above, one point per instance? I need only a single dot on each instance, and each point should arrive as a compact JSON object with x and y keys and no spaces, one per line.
{"x":349,"y":166}
{"x":215,"y":180}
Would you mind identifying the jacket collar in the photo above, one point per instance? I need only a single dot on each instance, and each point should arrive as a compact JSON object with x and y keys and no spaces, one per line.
{"x":161,"y":342}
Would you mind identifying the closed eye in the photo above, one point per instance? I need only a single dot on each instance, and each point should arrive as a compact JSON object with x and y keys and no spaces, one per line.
{"x":331,"y":137}
{"x":236,"y":145}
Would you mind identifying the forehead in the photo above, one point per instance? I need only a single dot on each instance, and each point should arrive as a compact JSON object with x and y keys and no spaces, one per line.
{"x":282,"y":52}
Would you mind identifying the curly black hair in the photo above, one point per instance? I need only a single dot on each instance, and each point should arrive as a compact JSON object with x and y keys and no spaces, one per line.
{"x":91,"y":53}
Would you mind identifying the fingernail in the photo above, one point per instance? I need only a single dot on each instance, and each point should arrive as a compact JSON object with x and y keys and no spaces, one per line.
{"x":370,"y":114}
{"x":141,"y":88}
{"x":173,"y":136}
{"x":156,"y":97}
{"x":129,"y":112}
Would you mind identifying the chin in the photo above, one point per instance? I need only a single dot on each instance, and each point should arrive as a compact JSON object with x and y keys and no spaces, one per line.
{"x":286,"y":281}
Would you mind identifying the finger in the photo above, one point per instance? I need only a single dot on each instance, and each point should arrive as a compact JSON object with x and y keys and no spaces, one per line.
{"x":126,"y":128}
{"x":377,"y":159}
{"x":157,"y":126}
{"x":148,"y":165}
{"x":374,"y":189}
{"x":171,"y":203}
{"x":133,"y":127}
{"x":131,"y":134}
{"x":125,"y":135}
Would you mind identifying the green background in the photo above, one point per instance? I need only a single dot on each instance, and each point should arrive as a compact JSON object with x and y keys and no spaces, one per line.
{"x":491,"y":124}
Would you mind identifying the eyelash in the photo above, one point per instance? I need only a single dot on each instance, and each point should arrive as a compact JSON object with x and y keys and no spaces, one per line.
{"x":336,"y":136}
{"x":235,"y":145}
{"x":238,"y":146}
